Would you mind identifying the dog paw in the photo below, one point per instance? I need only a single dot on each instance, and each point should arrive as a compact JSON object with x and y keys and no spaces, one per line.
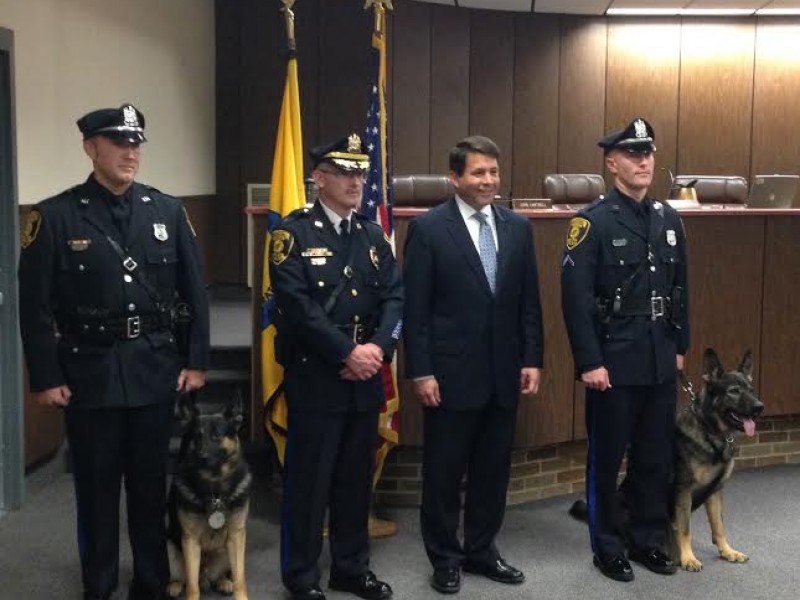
{"x":174,"y":589}
{"x":224,"y":586}
{"x":692,"y":564}
{"x":734,"y":556}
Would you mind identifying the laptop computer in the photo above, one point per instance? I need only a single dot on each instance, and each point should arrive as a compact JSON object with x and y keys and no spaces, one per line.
{"x":773,"y":191}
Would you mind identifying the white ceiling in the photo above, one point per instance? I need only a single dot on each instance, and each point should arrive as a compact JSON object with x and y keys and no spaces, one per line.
{"x":599,"y":7}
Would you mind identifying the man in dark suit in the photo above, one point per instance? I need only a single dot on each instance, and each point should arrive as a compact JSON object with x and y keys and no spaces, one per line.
{"x":623,"y":291}
{"x":473,"y":339}
{"x":101,"y":268}
{"x":339,"y":297}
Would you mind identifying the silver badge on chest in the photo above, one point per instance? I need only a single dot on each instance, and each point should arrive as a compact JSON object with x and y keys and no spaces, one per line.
{"x":672,"y":240}
{"x":160,"y":232}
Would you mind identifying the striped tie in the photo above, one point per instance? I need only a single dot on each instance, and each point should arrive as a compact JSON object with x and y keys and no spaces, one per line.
{"x":487,"y":250}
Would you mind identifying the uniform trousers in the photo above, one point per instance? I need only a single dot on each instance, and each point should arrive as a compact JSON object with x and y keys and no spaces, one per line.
{"x":477,"y":442}
{"x":109,"y":446}
{"x":328,"y":464}
{"x":640,"y":419}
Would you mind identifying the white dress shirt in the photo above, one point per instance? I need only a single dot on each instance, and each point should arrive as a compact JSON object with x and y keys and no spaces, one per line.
{"x":473,"y":224}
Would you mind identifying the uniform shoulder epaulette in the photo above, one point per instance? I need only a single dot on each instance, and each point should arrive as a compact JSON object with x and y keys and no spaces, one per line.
{"x":594,"y":204}
{"x":298,"y":213}
{"x":150,"y":188}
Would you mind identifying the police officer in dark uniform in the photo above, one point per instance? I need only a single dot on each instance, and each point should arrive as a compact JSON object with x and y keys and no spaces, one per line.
{"x":339,"y":297}
{"x":624,"y":290}
{"x":104,"y":265}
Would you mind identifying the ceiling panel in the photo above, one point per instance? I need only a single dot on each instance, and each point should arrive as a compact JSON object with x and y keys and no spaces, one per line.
{"x":517,"y":5}
{"x":598,"y":7}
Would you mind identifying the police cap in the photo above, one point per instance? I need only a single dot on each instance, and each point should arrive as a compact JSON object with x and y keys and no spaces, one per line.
{"x":637,"y":136}
{"x":347,"y":155}
{"x":124,"y":123}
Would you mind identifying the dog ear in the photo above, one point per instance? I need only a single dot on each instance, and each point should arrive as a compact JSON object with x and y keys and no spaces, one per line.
{"x":712,"y":367}
{"x":233,"y":412}
{"x":746,"y":366}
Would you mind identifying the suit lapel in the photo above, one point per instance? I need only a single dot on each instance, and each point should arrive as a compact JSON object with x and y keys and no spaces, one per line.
{"x":141,"y":217}
{"x":458,"y":231}
{"x":503,"y":241}
{"x":323,"y":228}
{"x":625,"y":216}
{"x":656,"y":222}
{"x":94,"y":211}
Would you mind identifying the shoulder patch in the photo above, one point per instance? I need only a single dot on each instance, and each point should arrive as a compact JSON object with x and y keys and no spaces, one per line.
{"x":578,"y":230}
{"x":31,"y":228}
{"x":280,"y":245}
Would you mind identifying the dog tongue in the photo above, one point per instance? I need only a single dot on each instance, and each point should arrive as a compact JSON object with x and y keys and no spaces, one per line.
{"x":749,"y":427}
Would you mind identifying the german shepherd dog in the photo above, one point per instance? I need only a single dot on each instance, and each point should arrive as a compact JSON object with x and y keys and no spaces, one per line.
{"x":208,"y":504}
{"x":704,"y":448}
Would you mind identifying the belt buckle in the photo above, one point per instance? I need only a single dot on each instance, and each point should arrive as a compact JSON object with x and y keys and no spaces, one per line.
{"x":134,"y":327}
{"x":656,"y":307}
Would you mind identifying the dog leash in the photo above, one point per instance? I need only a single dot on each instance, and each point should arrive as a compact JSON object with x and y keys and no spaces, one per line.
{"x":687,"y":386}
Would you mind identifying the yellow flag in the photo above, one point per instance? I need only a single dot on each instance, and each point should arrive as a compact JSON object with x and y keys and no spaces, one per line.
{"x":286,"y":194}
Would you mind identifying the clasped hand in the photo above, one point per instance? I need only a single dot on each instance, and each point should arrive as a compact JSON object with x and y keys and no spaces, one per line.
{"x":363,"y":363}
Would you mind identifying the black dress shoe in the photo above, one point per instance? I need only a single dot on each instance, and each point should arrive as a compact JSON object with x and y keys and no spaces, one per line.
{"x":446,"y":580}
{"x":497,"y":570}
{"x":312,"y":593}
{"x":365,"y":586}
{"x":655,"y":560}
{"x":614,"y":567}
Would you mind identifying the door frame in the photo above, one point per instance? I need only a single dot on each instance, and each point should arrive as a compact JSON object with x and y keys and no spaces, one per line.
{"x":12,"y":426}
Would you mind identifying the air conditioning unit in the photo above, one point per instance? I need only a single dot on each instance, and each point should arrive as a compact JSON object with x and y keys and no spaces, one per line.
{"x":257,"y":195}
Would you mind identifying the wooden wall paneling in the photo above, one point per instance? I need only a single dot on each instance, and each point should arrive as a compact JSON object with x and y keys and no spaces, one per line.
{"x":536,"y":85}
{"x":224,"y":265}
{"x":776,"y":116}
{"x":491,"y":94}
{"x":716,"y":97}
{"x":547,"y":418}
{"x":450,"y":69}
{"x":44,"y":428}
{"x":726,"y":270}
{"x":412,"y":86}
{"x":780,"y":335}
{"x":307,"y":35}
{"x":642,"y":81}
{"x":201,"y":211}
{"x":345,"y":44}
{"x":579,"y":411}
{"x":582,"y":94}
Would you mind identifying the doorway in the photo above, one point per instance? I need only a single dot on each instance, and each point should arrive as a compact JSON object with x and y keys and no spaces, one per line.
{"x":11,"y":394}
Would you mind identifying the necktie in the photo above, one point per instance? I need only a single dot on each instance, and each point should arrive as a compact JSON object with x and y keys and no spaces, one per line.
{"x":344,"y":228}
{"x":487,"y":250}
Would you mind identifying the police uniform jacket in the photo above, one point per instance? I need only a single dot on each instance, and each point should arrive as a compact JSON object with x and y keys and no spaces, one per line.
{"x":78,"y":303}
{"x":608,"y":244}
{"x":307,"y":263}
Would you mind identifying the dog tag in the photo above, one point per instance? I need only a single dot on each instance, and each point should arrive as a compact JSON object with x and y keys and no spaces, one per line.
{"x":216,"y":520}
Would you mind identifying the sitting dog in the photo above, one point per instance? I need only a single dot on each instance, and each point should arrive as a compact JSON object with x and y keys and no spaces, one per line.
{"x":704,"y":447}
{"x":208,"y":505}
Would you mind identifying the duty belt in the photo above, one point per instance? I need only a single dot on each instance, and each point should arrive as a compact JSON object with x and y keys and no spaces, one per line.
{"x":119,"y":328}
{"x":655,"y":307}
{"x":358,"y":332}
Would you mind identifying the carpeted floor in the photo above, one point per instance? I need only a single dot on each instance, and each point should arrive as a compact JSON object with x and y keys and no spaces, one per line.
{"x":39,"y":558}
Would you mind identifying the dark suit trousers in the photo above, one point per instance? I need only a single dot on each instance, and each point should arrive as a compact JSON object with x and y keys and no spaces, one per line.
{"x":109,"y":446}
{"x":642,"y":420}
{"x":477,"y":442}
{"x":328,"y":464}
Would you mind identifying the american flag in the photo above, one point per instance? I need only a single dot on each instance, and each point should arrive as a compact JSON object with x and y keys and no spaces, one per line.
{"x":376,"y":203}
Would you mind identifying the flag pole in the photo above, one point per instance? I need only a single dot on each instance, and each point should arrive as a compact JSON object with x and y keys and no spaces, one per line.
{"x":288,"y":15}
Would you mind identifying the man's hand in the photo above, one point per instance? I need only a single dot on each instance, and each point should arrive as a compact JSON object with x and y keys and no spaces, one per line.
{"x":190,"y":380}
{"x":529,"y":378}
{"x":363,"y":362}
{"x":57,"y":396}
{"x":679,"y":360}
{"x":596,"y":379}
{"x":427,"y":391}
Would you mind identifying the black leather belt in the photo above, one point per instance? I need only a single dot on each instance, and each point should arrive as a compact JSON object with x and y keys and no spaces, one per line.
{"x":119,"y":328}
{"x":656,"y":307}
{"x":358,"y":332}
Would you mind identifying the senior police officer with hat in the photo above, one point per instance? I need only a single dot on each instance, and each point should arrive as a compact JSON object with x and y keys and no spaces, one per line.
{"x":339,"y":297}
{"x":102,"y":268}
{"x":624,"y":289}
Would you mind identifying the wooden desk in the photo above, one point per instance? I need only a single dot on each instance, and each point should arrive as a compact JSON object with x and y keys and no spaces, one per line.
{"x":744,"y":274}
